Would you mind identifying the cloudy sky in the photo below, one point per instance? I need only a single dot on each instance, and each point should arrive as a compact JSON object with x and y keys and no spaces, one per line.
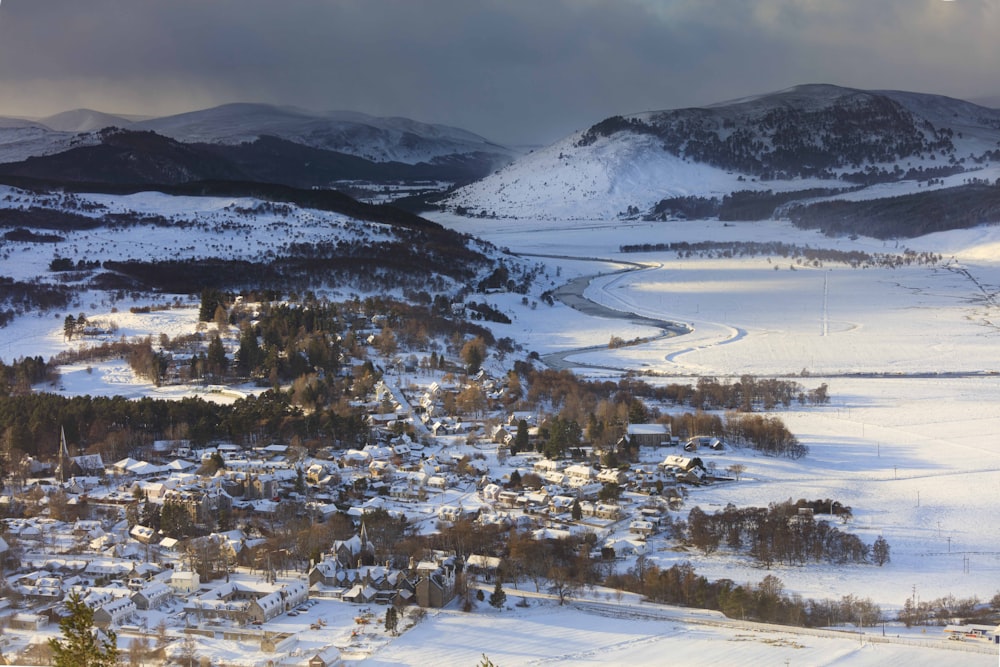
{"x":516,"y":71}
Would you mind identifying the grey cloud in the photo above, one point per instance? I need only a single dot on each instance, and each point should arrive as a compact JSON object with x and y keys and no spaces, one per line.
{"x":511,"y":70}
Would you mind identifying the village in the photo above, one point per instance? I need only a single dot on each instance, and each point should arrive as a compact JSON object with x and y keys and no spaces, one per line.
{"x":185,"y":544}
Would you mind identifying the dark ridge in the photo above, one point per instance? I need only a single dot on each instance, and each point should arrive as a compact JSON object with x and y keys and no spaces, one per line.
{"x":905,"y":216}
{"x":324,"y":200}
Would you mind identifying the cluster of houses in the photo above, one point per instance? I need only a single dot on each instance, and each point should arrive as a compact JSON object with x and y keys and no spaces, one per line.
{"x":341,"y":574}
{"x":128,"y":568}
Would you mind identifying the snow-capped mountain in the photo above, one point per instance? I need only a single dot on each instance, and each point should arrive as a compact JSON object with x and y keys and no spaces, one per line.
{"x":21,"y":139}
{"x":805,"y":137}
{"x":369,"y":137}
{"x":304,"y":148}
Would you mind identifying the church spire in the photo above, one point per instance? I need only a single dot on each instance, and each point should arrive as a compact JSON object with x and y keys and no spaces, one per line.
{"x":364,"y":537}
{"x":62,"y":469}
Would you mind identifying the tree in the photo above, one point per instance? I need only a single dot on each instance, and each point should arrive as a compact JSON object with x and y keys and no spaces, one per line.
{"x":137,"y":650}
{"x":880,"y":551}
{"x":215,"y":359}
{"x":69,"y":327}
{"x":210,"y":300}
{"x":520,"y":438}
{"x":576,"y":511}
{"x":187,"y":655}
{"x":498,"y":598}
{"x":80,"y":645}
{"x":391,"y":620}
{"x":610,"y":492}
{"x":473,"y":353}
{"x":249,"y":355}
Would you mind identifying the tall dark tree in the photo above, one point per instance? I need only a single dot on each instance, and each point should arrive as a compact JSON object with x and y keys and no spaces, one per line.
{"x":216,"y":360}
{"x":520,"y":438}
{"x":211,"y":300}
{"x":249,"y":356}
{"x":391,"y":619}
{"x":80,"y":645}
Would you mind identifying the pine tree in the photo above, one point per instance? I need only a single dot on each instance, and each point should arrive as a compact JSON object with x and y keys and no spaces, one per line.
{"x":80,"y":646}
{"x":576,"y":512}
{"x":521,"y":438}
{"x":391,"y":620}
{"x":498,"y":598}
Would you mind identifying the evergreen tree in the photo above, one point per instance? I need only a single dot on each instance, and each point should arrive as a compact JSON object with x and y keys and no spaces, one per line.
{"x":249,"y":355}
{"x":498,"y":598}
{"x":216,"y":360}
{"x":391,"y":620}
{"x":520,"y":438}
{"x":576,"y":512}
{"x":80,"y":645}
{"x":211,"y":300}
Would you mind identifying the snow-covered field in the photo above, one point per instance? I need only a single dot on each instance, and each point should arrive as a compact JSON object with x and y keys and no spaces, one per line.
{"x":909,"y":439}
{"x":585,"y":636}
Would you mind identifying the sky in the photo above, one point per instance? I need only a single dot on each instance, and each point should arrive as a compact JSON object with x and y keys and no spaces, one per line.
{"x":514,"y":71}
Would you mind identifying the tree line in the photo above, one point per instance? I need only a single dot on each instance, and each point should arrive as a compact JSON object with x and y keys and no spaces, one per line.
{"x":782,"y":533}
{"x":857,"y":259}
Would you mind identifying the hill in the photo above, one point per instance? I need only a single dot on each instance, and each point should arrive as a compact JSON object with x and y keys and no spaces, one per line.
{"x":802,"y":139}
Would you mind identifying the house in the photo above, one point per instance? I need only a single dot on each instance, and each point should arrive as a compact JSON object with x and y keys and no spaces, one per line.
{"x":184,"y":582}
{"x":436,"y":583}
{"x":579,"y":474}
{"x":114,"y":613}
{"x":500,"y":435}
{"x":708,"y":441}
{"x":152,"y":595}
{"x":642,"y":527}
{"x":612,"y":476}
{"x":682,"y":463}
{"x":142,"y":533}
{"x":649,"y":435}
{"x":328,"y":657}
{"x":285,"y":598}
{"x":26,"y":621}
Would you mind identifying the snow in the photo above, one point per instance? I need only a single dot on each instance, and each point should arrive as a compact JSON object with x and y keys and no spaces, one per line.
{"x":908,"y":440}
{"x":909,"y":355}
{"x":602,"y":179}
{"x":549,"y":634}
{"x":374,"y":138}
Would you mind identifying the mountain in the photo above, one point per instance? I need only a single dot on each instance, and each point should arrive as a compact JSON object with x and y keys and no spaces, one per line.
{"x":819,"y":138}
{"x":255,"y":141}
{"x":84,"y":120}
{"x":21,"y":139}
{"x":369,"y":137}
